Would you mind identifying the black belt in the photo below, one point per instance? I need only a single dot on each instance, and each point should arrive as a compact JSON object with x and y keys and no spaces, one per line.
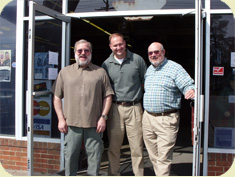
{"x":163,"y":113}
{"x":126,"y":103}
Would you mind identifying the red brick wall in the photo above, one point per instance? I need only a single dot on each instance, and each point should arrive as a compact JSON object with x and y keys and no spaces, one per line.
{"x":13,"y":155}
{"x":218,"y":164}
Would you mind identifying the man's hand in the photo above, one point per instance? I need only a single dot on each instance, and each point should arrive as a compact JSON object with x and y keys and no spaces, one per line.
{"x":189,"y":94}
{"x":62,"y":126}
{"x":101,"y":125}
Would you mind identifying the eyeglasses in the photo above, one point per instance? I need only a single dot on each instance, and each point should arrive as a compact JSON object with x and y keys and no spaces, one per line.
{"x":85,"y":50}
{"x":156,"y":52}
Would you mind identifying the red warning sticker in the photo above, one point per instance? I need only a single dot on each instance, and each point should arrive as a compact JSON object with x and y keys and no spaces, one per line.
{"x":218,"y":71}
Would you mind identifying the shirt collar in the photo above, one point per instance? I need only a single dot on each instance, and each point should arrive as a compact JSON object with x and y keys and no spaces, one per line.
{"x":90,"y":66}
{"x":112,"y":59}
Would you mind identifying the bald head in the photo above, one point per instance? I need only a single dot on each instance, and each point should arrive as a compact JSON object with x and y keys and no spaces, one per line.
{"x":156,"y":45}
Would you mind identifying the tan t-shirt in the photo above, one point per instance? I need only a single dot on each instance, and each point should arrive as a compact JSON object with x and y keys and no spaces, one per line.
{"x":83,"y":90}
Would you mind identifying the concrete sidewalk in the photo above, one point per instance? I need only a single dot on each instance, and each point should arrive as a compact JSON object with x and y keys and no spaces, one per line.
{"x":21,"y":173}
{"x":181,"y":166}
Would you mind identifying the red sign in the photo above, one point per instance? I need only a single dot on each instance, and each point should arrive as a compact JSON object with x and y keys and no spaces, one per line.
{"x":218,"y":71}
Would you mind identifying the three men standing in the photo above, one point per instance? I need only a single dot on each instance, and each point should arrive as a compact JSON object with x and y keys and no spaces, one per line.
{"x":88,"y":95}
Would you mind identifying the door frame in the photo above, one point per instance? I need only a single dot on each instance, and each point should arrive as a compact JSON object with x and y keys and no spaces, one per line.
{"x":66,"y":19}
{"x":30,"y":93}
{"x":199,"y":97}
{"x":206,"y":149}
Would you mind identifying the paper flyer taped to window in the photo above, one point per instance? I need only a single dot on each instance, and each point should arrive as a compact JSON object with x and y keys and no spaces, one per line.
{"x":52,"y":73}
{"x":231,"y":99}
{"x":53,"y":58}
{"x":232,"y":59}
{"x":41,"y":65}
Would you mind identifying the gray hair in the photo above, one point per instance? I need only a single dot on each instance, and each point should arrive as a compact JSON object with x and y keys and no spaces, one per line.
{"x":82,"y":41}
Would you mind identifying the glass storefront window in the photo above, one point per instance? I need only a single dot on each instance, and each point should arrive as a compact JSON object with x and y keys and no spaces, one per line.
{"x":120,"y":5}
{"x":7,"y":68}
{"x":52,"y":4}
{"x":222,"y":83}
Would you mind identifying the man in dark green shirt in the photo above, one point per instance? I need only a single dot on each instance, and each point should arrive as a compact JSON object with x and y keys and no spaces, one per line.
{"x":126,"y":72}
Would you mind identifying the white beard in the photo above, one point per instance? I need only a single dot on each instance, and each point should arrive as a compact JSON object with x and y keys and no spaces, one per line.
{"x":156,"y":63}
{"x":83,"y":63}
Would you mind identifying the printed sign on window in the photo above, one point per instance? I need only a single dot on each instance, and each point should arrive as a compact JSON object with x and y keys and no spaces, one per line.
{"x":42,"y":109}
{"x":218,"y":71}
{"x":224,"y":137}
{"x":5,"y":65}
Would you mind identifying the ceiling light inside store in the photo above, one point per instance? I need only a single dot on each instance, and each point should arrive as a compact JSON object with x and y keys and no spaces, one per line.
{"x":139,"y":18}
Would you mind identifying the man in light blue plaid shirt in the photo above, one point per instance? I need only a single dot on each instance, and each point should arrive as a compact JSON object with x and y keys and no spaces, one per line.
{"x":165,"y":82}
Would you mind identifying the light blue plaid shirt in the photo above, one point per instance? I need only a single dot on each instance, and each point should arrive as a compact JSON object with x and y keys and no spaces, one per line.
{"x":164,"y":86}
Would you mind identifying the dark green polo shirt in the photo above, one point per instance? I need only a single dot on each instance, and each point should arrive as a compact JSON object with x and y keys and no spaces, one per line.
{"x":126,"y":78}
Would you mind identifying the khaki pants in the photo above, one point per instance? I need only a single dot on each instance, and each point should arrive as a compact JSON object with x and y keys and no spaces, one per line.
{"x":160,"y":133}
{"x":129,"y":119}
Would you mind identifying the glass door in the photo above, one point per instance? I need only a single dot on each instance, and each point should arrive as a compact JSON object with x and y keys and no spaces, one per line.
{"x":48,"y":49}
{"x":220,"y":88}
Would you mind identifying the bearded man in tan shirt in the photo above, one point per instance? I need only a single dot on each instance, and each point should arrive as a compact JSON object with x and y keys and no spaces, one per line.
{"x":87,"y":95}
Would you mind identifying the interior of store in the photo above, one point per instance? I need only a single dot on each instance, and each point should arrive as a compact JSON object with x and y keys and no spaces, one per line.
{"x":175,"y":32}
